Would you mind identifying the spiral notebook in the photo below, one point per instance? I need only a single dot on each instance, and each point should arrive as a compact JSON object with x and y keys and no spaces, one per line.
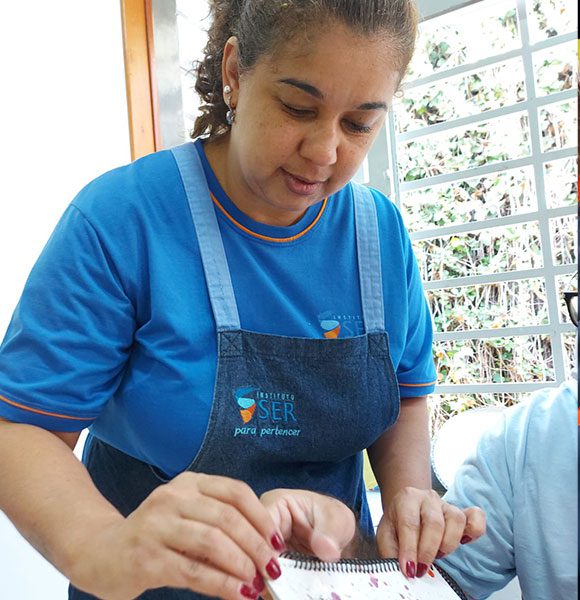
{"x":306,"y":578}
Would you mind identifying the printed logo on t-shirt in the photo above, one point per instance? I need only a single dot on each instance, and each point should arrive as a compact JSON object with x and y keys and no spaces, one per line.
{"x":265,"y":413}
{"x":340,"y":325}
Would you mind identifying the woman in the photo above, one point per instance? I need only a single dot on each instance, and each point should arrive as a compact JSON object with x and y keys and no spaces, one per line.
{"x":201,"y":310}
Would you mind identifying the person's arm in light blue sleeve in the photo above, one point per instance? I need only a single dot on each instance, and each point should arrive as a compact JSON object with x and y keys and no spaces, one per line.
{"x":485,"y":480}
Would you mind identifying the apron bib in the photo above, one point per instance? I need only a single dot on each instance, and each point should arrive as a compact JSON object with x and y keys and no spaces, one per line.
{"x":287,"y":412}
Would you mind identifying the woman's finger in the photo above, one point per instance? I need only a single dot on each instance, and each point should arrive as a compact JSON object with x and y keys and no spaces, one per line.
{"x":240,"y":495}
{"x":210,"y":545}
{"x":205,"y":579}
{"x":387,"y":543}
{"x":455,"y":521}
{"x":433,"y":528}
{"x":226,"y":517}
{"x":405,"y":514}
{"x":334,"y":528}
{"x":319,"y":523}
{"x":476,"y":524}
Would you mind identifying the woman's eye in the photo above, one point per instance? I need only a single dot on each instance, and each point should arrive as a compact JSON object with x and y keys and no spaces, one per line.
{"x":297,"y":112}
{"x":358,"y":127}
{"x":352,"y":126}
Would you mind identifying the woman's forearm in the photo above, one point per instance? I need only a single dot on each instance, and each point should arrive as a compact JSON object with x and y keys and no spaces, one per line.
{"x":401,"y":456}
{"x":48,"y":494}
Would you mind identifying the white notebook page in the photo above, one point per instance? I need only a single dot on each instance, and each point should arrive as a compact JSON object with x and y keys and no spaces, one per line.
{"x":313,"y":580}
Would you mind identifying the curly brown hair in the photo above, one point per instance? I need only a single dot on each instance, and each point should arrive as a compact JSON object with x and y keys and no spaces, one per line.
{"x":263,"y":26}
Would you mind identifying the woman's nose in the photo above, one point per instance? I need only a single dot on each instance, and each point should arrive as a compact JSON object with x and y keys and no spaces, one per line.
{"x":320,"y":145}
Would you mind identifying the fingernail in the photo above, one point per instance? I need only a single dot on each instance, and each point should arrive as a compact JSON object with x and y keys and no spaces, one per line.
{"x":258,"y":582}
{"x":440,"y":554}
{"x":466,"y":539}
{"x":273,"y":569}
{"x":422,"y":568}
{"x":248,"y":592}
{"x":278,"y":543}
{"x":411,"y":570}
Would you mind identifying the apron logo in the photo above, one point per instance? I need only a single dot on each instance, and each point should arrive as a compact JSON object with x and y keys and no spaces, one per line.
{"x":275,"y":413}
{"x":247,"y":404}
{"x":333,"y":323}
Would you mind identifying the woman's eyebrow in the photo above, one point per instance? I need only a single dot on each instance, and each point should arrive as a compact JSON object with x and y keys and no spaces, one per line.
{"x":373,"y":106}
{"x":316,"y":93}
{"x":305,"y":87}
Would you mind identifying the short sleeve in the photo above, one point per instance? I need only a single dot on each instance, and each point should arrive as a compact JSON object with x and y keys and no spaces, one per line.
{"x":70,"y":335}
{"x":416,"y":371}
{"x":485,"y":480}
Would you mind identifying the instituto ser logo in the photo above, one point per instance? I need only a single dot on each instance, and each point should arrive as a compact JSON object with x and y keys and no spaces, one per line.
{"x":266,"y":413}
{"x":340,"y":325}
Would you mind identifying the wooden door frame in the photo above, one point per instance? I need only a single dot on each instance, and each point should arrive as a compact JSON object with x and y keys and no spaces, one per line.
{"x":142,"y":104}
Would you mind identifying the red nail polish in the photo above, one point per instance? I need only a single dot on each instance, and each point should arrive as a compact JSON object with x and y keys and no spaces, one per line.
{"x":258,"y":582}
{"x":466,"y":539}
{"x":440,"y":554}
{"x":273,"y":569}
{"x":422,"y":568}
{"x":278,"y":543}
{"x":411,"y":570}
{"x":248,"y":592}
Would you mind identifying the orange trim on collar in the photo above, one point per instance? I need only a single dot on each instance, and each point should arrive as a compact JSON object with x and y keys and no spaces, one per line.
{"x":43,"y":412}
{"x":265,"y":237}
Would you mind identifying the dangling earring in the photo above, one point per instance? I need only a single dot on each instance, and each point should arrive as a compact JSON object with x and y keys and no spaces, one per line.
{"x":231,"y":114}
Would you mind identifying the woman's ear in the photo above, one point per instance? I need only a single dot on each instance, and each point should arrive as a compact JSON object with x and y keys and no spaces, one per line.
{"x":231,"y":71}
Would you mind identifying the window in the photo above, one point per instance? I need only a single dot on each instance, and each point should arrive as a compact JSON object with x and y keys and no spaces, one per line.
{"x":482,"y":161}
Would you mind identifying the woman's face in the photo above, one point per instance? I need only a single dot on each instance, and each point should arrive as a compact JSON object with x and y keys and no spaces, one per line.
{"x":305,"y":119}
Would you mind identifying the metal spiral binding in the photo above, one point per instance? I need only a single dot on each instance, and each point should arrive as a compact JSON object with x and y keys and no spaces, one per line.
{"x":344,"y":565}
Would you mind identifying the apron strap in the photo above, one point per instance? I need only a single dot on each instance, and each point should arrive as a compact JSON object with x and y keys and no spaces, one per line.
{"x":215,"y":266}
{"x":369,"y":259}
{"x":211,"y":247}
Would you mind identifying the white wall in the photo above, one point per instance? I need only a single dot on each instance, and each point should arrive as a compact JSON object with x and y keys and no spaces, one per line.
{"x":63,"y":121}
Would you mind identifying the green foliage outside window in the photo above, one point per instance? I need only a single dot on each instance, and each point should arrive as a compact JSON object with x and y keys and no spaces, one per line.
{"x":477,"y":33}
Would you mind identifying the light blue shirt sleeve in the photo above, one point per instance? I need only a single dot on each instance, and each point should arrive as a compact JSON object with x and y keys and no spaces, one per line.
{"x":524,"y":476}
{"x":484,"y":480}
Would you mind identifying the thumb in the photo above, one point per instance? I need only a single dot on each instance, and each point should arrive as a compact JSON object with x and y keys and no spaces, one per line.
{"x":333,"y":528}
{"x":387,"y":541}
{"x":324,"y":547}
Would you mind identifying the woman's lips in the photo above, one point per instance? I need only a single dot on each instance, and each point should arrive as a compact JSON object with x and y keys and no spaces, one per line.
{"x":301,"y":186}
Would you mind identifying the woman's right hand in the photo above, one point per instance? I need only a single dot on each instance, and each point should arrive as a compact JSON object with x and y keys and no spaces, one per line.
{"x":205,"y":533}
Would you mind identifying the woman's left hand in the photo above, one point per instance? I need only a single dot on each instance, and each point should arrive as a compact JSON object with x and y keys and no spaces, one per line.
{"x":312,"y":523}
{"x":419,"y":527}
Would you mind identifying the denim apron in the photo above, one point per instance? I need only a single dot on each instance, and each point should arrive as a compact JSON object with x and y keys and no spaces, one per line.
{"x":287,"y":412}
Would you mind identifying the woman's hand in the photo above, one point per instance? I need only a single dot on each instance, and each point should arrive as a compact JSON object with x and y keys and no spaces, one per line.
{"x":419,"y":527}
{"x":205,"y":533}
{"x":312,"y":523}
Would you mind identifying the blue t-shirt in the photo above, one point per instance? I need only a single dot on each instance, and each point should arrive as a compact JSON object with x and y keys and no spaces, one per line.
{"x":114,"y":329}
